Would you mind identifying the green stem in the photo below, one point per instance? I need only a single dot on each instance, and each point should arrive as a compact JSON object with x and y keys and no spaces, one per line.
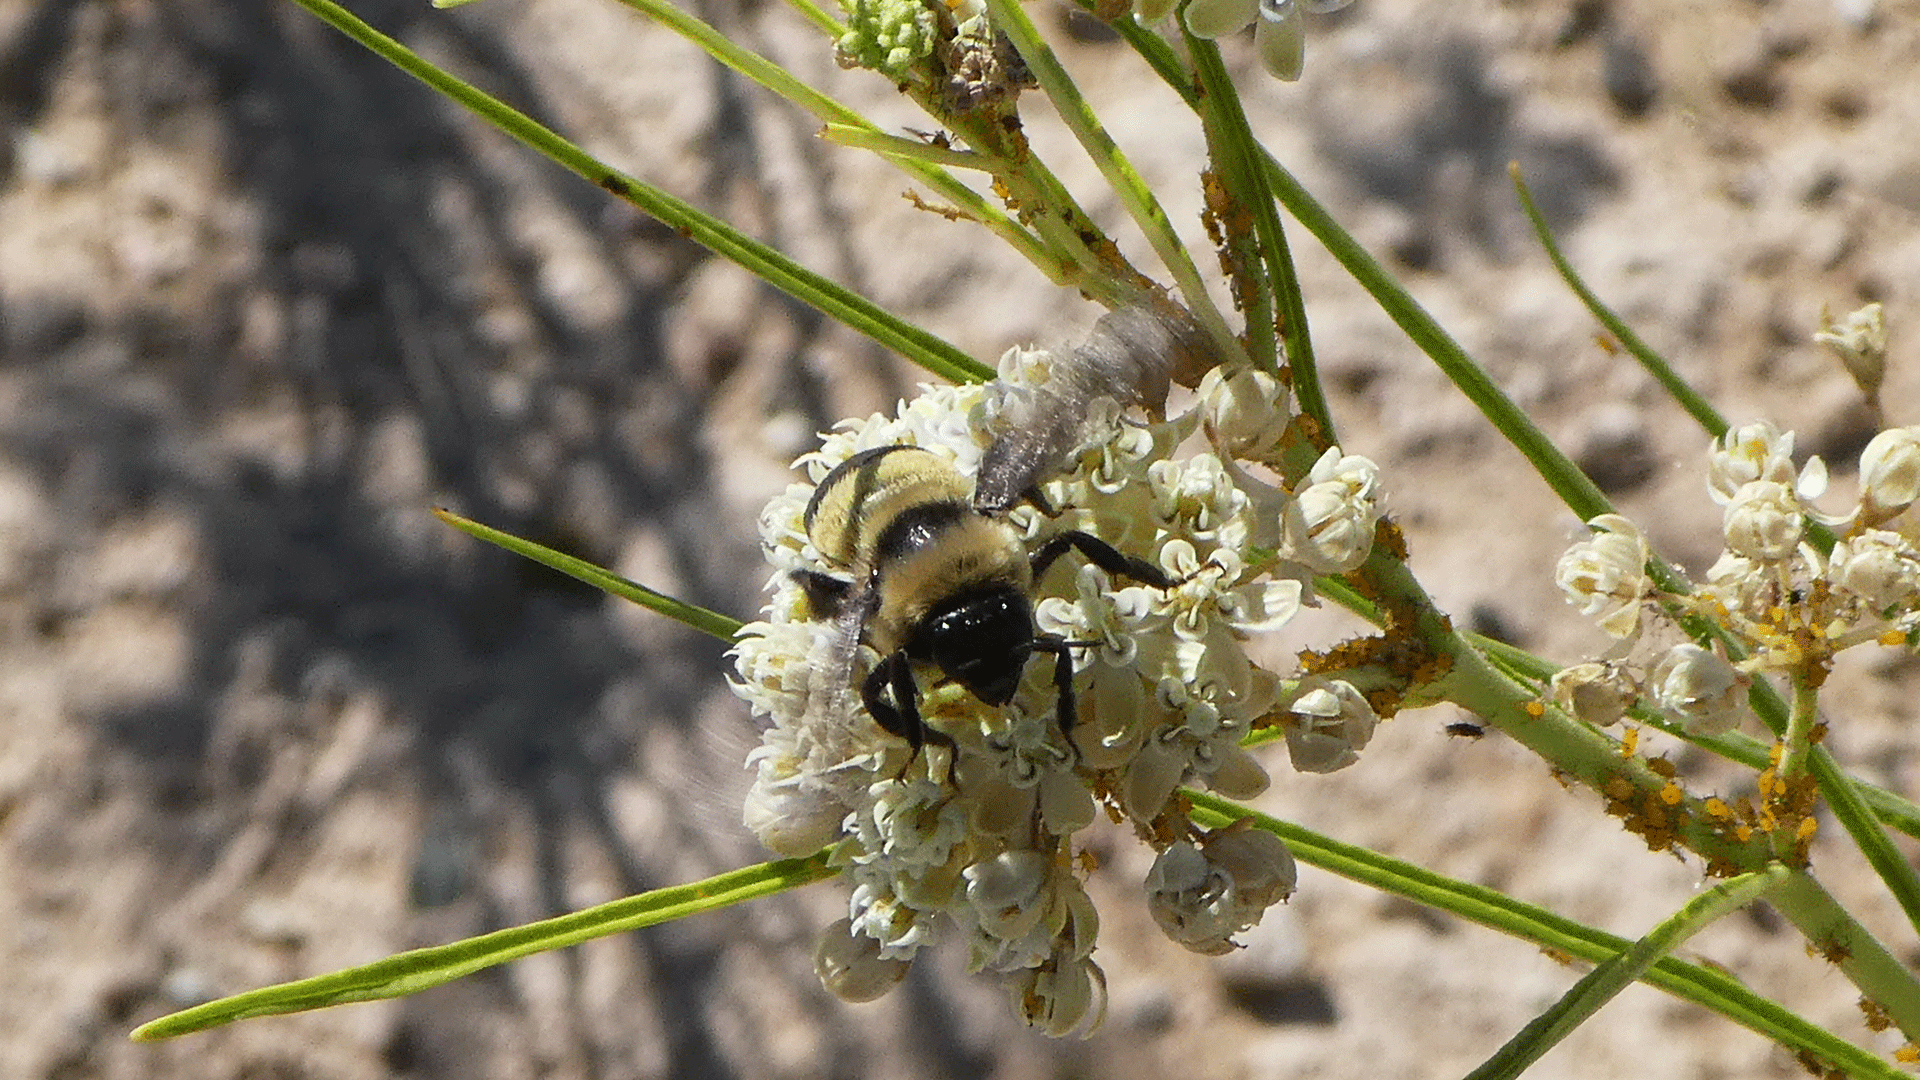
{"x":1243,"y":199}
{"x":707,"y":622}
{"x":1011,"y":19}
{"x":1605,"y":982}
{"x":1236,"y":154}
{"x":768,"y":264}
{"x":1695,"y":403}
{"x":1493,"y":909}
{"x":411,"y":972}
{"x":925,"y":168}
{"x":1834,"y":934}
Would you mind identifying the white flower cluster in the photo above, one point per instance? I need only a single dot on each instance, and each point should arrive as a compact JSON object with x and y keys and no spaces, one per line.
{"x":1783,"y":599}
{"x":1165,"y":692}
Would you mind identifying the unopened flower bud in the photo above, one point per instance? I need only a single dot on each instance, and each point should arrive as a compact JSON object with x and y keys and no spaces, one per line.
{"x":1329,"y":523}
{"x":850,"y":965}
{"x":1333,"y":722}
{"x":1699,"y":688}
{"x":1860,"y":341}
{"x":1763,"y":521}
{"x":1879,"y":567}
{"x":1595,"y":692}
{"x":1889,"y":474}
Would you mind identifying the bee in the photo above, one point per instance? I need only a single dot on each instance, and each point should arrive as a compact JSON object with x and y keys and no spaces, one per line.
{"x":923,"y":565}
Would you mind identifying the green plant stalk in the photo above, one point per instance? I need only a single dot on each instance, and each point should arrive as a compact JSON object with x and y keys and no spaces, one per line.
{"x":419,"y":969}
{"x":1244,"y":252}
{"x":1796,"y":743}
{"x":821,"y":18}
{"x":1605,"y":982}
{"x":1493,"y":909}
{"x":1010,"y":18}
{"x":1856,"y":796}
{"x":1236,"y":154}
{"x":1579,"y":493}
{"x":834,"y":300}
{"x":1866,"y":963}
{"x":1695,"y":404}
{"x":861,"y":138}
{"x":707,"y":622}
{"x":923,"y":167}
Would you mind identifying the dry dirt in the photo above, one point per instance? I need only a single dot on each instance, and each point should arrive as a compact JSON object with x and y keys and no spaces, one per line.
{"x":265,"y":301}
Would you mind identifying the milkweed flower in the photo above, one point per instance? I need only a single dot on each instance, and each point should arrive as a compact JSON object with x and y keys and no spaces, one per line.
{"x":975,"y":832}
{"x":1605,"y":575}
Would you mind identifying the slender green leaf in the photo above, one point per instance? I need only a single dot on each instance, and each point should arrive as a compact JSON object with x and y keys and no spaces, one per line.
{"x":834,"y":300}
{"x":412,"y":972}
{"x":1605,"y":982}
{"x":1721,"y":993}
{"x":925,"y":167}
{"x":707,"y":622}
{"x":1695,"y":403}
{"x":1011,"y":19}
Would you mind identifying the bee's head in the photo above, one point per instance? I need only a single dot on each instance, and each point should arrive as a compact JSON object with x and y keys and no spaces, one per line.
{"x":983,"y":643}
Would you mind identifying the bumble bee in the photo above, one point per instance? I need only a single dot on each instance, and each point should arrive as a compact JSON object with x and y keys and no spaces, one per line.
{"x":926,"y":569}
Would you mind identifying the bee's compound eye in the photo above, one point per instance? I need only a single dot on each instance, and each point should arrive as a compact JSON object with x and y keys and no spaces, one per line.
{"x":983,"y":644}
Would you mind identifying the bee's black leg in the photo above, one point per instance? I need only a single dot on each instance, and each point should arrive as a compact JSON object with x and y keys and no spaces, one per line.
{"x":1101,"y":554}
{"x":1067,"y":707}
{"x":893,"y":677}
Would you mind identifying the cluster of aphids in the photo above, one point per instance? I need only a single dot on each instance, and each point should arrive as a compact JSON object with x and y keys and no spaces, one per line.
{"x":919,"y":577}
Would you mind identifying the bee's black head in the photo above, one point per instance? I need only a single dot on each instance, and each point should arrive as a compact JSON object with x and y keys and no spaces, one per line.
{"x":983,"y":642}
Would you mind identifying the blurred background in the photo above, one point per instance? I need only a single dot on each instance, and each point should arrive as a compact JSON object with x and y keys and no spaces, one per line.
{"x":265,"y":301}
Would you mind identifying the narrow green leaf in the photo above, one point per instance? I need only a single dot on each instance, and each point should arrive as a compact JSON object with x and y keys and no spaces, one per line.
{"x":707,"y":622}
{"x":925,"y":167}
{"x":1604,"y":982}
{"x":831,"y":298}
{"x":1496,"y":910}
{"x":1134,"y":194}
{"x":420,"y":969}
{"x":1695,"y":403}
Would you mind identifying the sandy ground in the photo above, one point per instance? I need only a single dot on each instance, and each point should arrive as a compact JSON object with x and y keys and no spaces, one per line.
{"x":265,"y":301}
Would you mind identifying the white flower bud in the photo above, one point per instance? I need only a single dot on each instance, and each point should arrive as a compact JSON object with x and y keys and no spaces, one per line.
{"x":850,"y":965}
{"x":1594,"y":692}
{"x":1201,"y":896}
{"x":1333,"y":723}
{"x":1606,"y":574}
{"x":1763,"y":521}
{"x":1281,"y":39}
{"x":1258,"y":862}
{"x":1860,"y":341}
{"x":1700,"y":689}
{"x":1246,"y":412}
{"x":1330,"y":522}
{"x":1889,"y":474}
{"x":1879,"y":567}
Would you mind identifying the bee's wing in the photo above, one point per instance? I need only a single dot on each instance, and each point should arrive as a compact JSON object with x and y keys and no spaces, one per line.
{"x":833,"y":667}
{"x":1132,"y":356}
